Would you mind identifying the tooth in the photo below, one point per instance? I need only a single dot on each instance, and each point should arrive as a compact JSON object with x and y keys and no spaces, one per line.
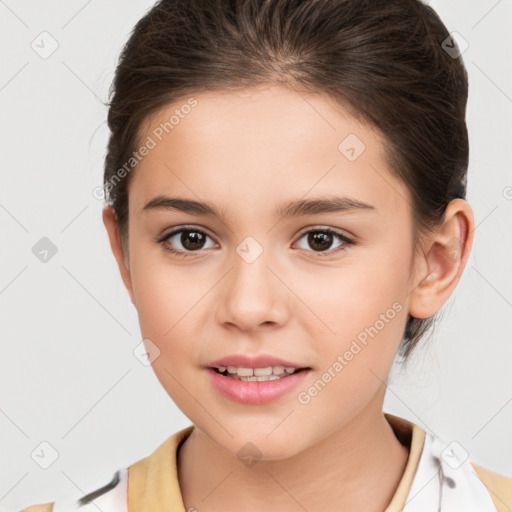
{"x":260,"y":372}
{"x":244,"y":372}
{"x":262,"y":378}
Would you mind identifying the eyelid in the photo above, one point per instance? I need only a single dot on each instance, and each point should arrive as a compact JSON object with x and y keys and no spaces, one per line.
{"x":183,"y":227}
{"x":320,"y":227}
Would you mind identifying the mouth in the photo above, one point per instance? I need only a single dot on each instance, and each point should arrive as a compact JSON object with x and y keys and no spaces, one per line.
{"x":259,"y":385}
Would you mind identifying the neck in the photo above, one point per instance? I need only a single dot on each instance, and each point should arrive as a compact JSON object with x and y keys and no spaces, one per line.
{"x":356,"y":468}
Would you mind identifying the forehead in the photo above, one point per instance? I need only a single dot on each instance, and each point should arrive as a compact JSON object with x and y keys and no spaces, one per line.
{"x":262,"y":141}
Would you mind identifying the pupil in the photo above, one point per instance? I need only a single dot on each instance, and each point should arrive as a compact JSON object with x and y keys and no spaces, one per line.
{"x":320,"y":239}
{"x":196,"y":238}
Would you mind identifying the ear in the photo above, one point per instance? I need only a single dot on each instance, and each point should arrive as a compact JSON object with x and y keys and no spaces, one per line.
{"x":445,"y":253}
{"x":110,"y":222}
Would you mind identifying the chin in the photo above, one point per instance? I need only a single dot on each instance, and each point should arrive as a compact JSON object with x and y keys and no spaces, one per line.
{"x":251,"y":445}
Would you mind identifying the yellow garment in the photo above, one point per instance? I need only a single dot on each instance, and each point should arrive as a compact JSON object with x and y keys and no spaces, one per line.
{"x":153,"y":480}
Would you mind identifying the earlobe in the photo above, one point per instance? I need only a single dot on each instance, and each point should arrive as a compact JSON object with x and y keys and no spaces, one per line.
{"x":445,"y":254}
{"x":110,"y":223}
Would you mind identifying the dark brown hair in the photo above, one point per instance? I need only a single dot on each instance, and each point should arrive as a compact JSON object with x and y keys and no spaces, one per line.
{"x":383,"y":59}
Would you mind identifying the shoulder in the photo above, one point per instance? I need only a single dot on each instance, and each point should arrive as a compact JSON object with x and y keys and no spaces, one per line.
{"x":153,"y":470}
{"x":499,"y":487}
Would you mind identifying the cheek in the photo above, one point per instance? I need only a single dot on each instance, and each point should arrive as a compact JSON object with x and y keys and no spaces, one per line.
{"x":165,"y":294}
{"x":169,"y":299}
{"x":353,"y":296}
{"x":363,"y":311}
{"x":165,"y":300}
{"x":355,"y":361}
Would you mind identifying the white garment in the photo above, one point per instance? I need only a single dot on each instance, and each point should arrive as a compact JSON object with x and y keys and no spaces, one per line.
{"x":111,"y":498}
{"x":444,"y":481}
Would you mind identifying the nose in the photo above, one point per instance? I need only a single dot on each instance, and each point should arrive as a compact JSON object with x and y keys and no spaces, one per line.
{"x":253,"y":294}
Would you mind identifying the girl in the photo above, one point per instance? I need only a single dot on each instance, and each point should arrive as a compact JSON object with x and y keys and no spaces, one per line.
{"x":286,"y":187}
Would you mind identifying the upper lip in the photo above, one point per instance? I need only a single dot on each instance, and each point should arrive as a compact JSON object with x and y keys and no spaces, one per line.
{"x":245,"y":361}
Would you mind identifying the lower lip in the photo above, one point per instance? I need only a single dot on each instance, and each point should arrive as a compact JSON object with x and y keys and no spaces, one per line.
{"x":259,"y":392}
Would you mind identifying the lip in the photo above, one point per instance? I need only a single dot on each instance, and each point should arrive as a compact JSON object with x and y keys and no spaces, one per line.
{"x":259,"y":361}
{"x":257,"y":392}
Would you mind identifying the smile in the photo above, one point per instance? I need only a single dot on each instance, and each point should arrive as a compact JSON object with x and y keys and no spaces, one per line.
{"x":256,"y":374}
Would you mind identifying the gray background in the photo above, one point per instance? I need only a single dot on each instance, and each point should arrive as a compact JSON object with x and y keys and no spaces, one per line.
{"x":68,"y":330}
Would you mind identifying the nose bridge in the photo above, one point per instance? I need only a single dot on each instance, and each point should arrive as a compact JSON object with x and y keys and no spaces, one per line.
{"x":253,"y":294}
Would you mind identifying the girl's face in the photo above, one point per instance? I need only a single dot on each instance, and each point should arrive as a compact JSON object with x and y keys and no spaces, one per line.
{"x":284,"y":268}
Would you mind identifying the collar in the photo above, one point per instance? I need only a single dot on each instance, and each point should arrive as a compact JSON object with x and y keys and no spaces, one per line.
{"x":434,"y":478}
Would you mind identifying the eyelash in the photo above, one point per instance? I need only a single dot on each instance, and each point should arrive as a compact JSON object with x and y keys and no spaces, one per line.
{"x":185,"y":254}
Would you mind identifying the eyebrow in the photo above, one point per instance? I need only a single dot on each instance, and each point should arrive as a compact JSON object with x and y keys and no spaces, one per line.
{"x":292,"y":209}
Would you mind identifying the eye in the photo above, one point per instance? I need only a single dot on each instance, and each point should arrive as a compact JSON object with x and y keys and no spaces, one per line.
{"x":321,"y":239}
{"x":191,"y":240}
